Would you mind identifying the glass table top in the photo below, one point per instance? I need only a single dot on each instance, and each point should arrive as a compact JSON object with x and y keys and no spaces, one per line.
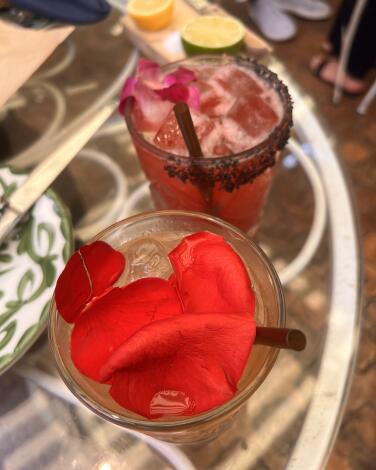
{"x":292,"y":419}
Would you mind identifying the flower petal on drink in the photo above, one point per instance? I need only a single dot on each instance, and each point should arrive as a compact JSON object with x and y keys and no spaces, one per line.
{"x":195,"y":359}
{"x":127,"y":91}
{"x":104,"y":265}
{"x":151,"y":90}
{"x":88,"y":273}
{"x":73,"y":289}
{"x":181,"y":75}
{"x":153,"y":108}
{"x":112,"y":319}
{"x":148,"y":101}
{"x":178,"y":93}
{"x":175,"y":93}
{"x":210,"y":276}
{"x":149,"y":72}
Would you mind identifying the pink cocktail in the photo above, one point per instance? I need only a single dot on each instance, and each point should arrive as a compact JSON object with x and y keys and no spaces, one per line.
{"x":243,"y":120}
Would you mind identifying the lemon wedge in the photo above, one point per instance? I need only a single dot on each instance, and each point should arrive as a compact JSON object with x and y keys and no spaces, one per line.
{"x":151,"y":15}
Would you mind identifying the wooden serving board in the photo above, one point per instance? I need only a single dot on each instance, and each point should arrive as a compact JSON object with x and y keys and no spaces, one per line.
{"x":165,"y":45}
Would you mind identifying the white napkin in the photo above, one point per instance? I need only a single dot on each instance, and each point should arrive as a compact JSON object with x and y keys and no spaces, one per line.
{"x":22,"y":51}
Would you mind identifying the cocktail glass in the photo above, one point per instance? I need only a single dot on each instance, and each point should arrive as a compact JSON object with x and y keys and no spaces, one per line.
{"x":145,"y":241}
{"x":233,"y":187}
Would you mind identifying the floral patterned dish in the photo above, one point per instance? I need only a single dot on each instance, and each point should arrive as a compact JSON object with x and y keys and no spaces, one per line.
{"x":31,"y":259}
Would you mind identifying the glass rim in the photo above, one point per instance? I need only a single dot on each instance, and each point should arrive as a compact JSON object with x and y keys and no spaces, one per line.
{"x":275,"y":141}
{"x":186,"y":421}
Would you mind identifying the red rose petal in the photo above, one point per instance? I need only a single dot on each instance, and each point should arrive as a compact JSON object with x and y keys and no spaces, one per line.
{"x":180,"y":75}
{"x":116,"y":316}
{"x":174,"y":93}
{"x":210,"y":276}
{"x":155,"y":93}
{"x":178,"y":93}
{"x":187,"y":364}
{"x":73,"y":289}
{"x":127,"y":90}
{"x":153,"y":108}
{"x":149,"y":72}
{"x":104,"y":265}
{"x":88,"y":273}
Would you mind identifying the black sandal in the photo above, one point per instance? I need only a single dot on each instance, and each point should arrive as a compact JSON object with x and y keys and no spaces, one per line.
{"x":317,"y":73}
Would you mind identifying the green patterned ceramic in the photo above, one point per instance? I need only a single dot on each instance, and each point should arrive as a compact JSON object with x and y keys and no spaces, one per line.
{"x":31,"y":259}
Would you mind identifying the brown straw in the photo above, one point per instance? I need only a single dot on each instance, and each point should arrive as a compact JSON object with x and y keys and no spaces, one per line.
{"x":283,"y":338}
{"x":187,"y":129}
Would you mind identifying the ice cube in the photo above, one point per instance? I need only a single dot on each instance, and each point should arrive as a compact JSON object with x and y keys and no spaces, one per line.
{"x":210,"y":104}
{"x":253,"y":114}
{"x":223,"y":148}
{"x":203,"y":87}
{"x":238,"y":139}
{"x":203,"y":125}
{"x":146,"y":257}
{"x":209,"y":98}
{"x":205,"y":73}
{"x":169,"y":136}
{"x":238,"y":82}
{"x":210,"y":135}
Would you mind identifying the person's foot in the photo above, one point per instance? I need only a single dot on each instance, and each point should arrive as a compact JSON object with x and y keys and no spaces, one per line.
{"x":327,"y":47}
{"x":326,"y":69}
{"x":307,"y":9}
{"x":273,"y":23}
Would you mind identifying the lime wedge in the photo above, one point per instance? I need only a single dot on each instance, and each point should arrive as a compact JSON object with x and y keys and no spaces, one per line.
{"x":213,"y":34}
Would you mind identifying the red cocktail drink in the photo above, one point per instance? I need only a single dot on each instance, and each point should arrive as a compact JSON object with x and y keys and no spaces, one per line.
{"x":242,"y":121}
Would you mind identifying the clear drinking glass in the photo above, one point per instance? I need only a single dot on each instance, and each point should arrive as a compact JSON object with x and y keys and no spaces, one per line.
{"x":239,"y":183}
{"x":148,"y":238}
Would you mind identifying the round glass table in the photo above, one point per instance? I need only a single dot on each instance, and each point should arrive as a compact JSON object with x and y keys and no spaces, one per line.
{"x":308,"y":230}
